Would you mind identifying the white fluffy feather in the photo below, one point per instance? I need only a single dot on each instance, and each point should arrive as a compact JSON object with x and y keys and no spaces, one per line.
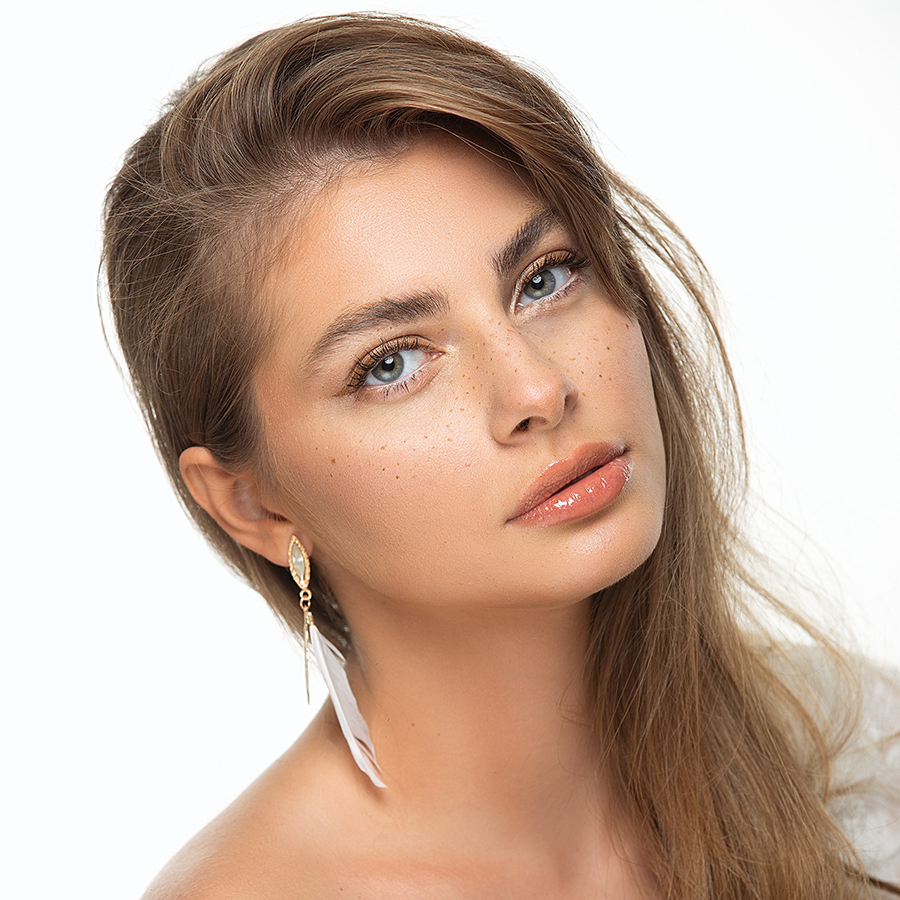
{"x":330,"y":662}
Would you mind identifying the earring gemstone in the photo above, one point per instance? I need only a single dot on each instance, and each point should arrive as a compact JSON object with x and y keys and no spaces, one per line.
{"x":299,"y":563}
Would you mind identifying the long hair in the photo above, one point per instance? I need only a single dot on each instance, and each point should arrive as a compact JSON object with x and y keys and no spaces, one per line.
{"x":720,"y":765}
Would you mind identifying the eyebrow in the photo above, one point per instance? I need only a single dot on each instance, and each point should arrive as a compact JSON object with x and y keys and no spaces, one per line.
{"x":413,"y":307}
{"x":523,"y":242}
{"x":386,"y":311}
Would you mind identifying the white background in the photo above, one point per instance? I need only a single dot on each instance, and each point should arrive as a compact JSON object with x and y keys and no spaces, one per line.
{"x":145,"y":687}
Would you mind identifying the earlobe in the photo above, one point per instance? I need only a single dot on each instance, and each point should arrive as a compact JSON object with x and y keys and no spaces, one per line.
{"x":233,"y":502}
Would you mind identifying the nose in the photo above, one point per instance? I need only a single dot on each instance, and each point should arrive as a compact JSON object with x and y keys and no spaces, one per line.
{"x":528,"y":390}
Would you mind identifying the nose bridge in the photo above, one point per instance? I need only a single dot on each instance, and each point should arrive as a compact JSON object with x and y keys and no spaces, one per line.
{"x":527,"y":388}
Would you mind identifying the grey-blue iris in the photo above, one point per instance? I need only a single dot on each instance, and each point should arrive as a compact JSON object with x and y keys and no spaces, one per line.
{"x":541,"y":285}
{"x":389,"y":368}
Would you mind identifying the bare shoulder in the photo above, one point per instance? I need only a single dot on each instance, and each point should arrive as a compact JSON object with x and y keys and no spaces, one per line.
{"x":280,"y":839}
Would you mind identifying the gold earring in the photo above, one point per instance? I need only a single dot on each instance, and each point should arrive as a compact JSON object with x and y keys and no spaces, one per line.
{"x":331,"y":663}
{"x":298,"y":562}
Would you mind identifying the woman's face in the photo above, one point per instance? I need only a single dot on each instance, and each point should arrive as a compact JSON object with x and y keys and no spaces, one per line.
{"x":444,"y":360}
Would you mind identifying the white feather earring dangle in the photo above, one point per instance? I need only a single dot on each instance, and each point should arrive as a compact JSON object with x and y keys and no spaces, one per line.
{"x":331,"y":663}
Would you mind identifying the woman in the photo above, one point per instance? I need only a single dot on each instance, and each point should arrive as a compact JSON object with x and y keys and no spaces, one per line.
{"x":451,"y":395}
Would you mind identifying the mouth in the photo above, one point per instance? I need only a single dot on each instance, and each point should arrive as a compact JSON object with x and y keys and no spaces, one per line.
{"x":587,"y":480}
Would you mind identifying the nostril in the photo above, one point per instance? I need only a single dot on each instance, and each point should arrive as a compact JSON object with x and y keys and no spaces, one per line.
{"x":523,"y":425}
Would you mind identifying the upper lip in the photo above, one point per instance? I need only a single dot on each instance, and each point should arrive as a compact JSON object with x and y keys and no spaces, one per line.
{"x":561,"y":472}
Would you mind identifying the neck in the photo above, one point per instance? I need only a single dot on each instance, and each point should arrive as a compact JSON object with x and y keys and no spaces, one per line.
{"x":481,"y":711}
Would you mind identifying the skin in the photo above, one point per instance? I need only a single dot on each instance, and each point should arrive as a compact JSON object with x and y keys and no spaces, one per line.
{"x":469,"y":628}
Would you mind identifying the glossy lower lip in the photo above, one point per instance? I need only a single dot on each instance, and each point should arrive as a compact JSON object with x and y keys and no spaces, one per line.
{"x":583,"y":497}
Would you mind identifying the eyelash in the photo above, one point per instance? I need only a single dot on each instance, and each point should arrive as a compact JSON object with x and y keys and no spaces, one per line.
{"x":364,"y":365}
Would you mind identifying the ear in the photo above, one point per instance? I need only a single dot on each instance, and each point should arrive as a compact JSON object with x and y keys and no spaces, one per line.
{"x":233,"y":502}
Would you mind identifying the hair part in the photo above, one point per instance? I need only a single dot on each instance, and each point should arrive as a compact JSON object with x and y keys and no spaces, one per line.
{"x":715,"y":759}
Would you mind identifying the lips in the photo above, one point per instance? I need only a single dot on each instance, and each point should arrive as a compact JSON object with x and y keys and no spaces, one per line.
{"x":587,"y":480}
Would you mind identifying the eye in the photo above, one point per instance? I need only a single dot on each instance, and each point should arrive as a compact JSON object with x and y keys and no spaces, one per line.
{"x":391,"y":369}
{"x":546,"y":282}
{"x":550,"y":277}
{"x":395,"y":365}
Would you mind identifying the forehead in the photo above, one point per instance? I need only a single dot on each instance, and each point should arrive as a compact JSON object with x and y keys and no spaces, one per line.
{"x":384,"y":225}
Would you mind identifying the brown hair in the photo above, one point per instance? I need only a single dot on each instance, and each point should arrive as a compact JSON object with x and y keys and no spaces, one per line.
{"x":721,"y":766}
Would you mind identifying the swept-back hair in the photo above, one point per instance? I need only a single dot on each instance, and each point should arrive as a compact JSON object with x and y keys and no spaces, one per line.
{"x":720,"y":766}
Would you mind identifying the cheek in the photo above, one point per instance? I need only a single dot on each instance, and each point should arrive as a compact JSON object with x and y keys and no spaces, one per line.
{"x":609,"y":363}
{"x":383,"y":504}
{"x":621,"y":390}
{"x":631,"y":383}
